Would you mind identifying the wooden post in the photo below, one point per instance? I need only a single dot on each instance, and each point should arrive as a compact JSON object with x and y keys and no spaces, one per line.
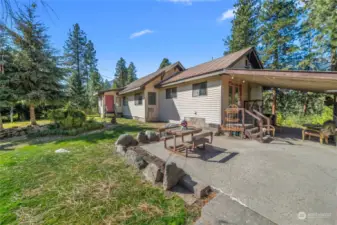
{"x":273,"y":107}
{"x":335,"y":108}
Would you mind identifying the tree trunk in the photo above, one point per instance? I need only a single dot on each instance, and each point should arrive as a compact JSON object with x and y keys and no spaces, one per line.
{"x":1,"y":125}
{"x":305,"y":105}
{"x":32,"y":115}
{"x":11,"y":114}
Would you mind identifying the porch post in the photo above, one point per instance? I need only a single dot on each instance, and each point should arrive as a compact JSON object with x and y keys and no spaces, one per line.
{"x":335,"y":108}
{"x":273,"y":107}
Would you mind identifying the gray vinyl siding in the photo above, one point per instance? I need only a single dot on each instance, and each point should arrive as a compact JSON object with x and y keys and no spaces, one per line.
{"x":132,"y":110}
{"x":207,"y":107}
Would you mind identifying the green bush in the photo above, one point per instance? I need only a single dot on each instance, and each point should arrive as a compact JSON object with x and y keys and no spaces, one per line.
{"x":68,"y":118}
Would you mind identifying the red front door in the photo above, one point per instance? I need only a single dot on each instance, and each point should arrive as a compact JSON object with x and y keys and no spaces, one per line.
{"x":109,"y":103}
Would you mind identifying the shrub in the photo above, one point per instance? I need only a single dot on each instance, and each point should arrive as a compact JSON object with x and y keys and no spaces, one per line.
{"x":68,"y":118}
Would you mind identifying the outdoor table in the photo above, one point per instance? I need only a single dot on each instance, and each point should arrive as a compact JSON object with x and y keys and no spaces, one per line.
{"x":190,"y":130}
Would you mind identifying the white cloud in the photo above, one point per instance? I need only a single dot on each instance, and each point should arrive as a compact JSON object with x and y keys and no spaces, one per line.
{"x":187,"y":2}
{"x":140,"y":33}
{"x":229,"y":14}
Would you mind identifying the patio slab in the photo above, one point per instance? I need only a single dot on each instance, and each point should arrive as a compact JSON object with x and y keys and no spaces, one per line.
{"x":282,"y":181}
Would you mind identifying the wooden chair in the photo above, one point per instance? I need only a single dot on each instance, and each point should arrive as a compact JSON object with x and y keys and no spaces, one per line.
{"x":197,"y":140}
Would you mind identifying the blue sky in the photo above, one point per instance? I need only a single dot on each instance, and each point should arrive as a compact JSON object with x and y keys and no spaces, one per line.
{"x":144,"y":31}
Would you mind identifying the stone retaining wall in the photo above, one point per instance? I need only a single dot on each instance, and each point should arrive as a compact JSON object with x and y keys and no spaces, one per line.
{"x":20,"y":131}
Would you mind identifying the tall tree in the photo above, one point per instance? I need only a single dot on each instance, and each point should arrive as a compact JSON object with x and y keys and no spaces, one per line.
{"x":94,"y":81}
{"x":323,"y":15}
{"x":244,"y":26}
{"x":121,"y":74}
{"x":164,"y":62}
{"x":74,"y":55}
{"x":132,"y":73}
{"x":39,"y":77}
{"x":106,"y":84}
{"x":278,"y":30}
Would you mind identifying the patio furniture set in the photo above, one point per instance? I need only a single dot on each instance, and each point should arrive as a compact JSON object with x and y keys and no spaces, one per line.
{"x":177,"y":131}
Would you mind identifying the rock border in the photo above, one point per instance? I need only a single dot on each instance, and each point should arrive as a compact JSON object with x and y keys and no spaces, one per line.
{"x":158,"y":172}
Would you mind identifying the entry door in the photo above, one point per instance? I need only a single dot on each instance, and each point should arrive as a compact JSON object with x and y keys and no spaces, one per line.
{"x":109,"y":103}
{"x":235,"y":94}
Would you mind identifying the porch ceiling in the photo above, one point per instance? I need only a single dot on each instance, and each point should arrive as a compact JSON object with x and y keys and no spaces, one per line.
{"x":296,"y":80}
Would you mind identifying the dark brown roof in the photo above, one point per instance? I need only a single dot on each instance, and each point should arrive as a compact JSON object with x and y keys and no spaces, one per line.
{"x":211,"y":66}
{"x":140,"y":83}
{"x":107,"y":90}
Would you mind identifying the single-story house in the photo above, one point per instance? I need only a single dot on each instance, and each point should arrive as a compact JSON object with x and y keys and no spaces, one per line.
{"x":206,"y":90}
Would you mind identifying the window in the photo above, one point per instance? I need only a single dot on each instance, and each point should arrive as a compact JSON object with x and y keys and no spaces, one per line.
{"x":152,"y":98}
{"x":138,"y":99}
{"x":171,"y":93}
{"x":199,"y":89}
{"x":125,"y":101}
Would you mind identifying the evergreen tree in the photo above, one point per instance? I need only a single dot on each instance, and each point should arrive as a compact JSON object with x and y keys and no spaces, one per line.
{"x":106,"y":84}
{"x":121,"y":74}
{"x":95,"y":81}
{"x":323,"y":16}
{"x":244,"y":26}
{"x":164,"y":62}
{"x":38,"y":77}
{"x":278,"y":31}
{"x":74,"y":55}
{"x":7,"y":75}
{"x":309,"y":57}
{"x":132,"y":76}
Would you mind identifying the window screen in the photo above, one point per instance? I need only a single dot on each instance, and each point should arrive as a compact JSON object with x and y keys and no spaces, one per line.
{"x":152,"y":98}
{"x":199,"y":89}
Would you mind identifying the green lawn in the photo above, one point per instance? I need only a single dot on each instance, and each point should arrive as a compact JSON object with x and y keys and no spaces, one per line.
{"x":90,"y":185}
{"x":24,"y":123}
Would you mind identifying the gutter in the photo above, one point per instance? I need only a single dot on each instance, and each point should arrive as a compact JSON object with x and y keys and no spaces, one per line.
{"x":131,"y":90}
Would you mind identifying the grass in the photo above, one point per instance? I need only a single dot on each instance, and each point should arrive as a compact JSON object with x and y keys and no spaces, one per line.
{"x":89,"y":185}
{"x":24,"y":123}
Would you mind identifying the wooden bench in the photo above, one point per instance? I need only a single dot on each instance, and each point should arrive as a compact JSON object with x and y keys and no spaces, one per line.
{"x":197,"y":140}
{"x":314,"y":133}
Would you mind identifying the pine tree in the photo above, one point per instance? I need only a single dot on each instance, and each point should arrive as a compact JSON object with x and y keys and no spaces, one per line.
{"x":307,"y":36}
{"x":121,"y":74}
{"x":277,"y":32}
{"x":74,"y":55}
{"x":7,"y":75}
{"x":164,"y":62}
{"x":38,"y":77}
{"x":95,"y":81}
{"x":323,"y":16}
{"x":244,"y":24}
{"x":132,"y":73}
{"x":106,"y":84}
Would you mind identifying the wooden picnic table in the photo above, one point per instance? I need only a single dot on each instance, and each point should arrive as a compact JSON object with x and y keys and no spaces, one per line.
{"x":190,"y":130}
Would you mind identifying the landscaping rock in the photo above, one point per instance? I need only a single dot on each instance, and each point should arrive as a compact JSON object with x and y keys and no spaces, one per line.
{"x":120,"y":149}
{"x":142,"y":138}
{"x":62,"y":150}
{"x":151,"y":135}
{"x":134,"y":159}
{"x":125,"y":140}
{"x":172,"y":175}
{"x":134,"y":142}
{"x":199,"y":189}
{"x":152,"y":173}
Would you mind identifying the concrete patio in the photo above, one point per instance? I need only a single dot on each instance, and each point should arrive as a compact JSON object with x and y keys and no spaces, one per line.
{"x":277,"y":180}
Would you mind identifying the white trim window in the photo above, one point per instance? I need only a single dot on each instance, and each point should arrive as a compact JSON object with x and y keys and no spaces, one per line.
{"x":138,"y":99}
{"x":171,"y":93}
{"x":199,"y":89}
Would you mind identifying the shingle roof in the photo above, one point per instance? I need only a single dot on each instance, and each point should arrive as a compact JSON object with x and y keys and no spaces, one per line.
{"x":140,"y":83}
{"x":211,"y":66}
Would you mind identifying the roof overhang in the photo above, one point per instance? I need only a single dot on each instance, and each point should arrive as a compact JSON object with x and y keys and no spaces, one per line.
{"x":132,"y":90}
{"x":297,"y":80}
{"x":198,"y":77}
{"x":108,"y":90}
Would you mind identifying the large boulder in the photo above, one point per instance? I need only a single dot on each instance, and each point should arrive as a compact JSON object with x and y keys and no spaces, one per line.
{"x":142,"y":138}
{"x":134,"y":159}
{"x":152,"y":136}
{"x":152,"y":173}
{"x":126,"y":140}
{"x":120,"y":149}
{"x":172,"y":175}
